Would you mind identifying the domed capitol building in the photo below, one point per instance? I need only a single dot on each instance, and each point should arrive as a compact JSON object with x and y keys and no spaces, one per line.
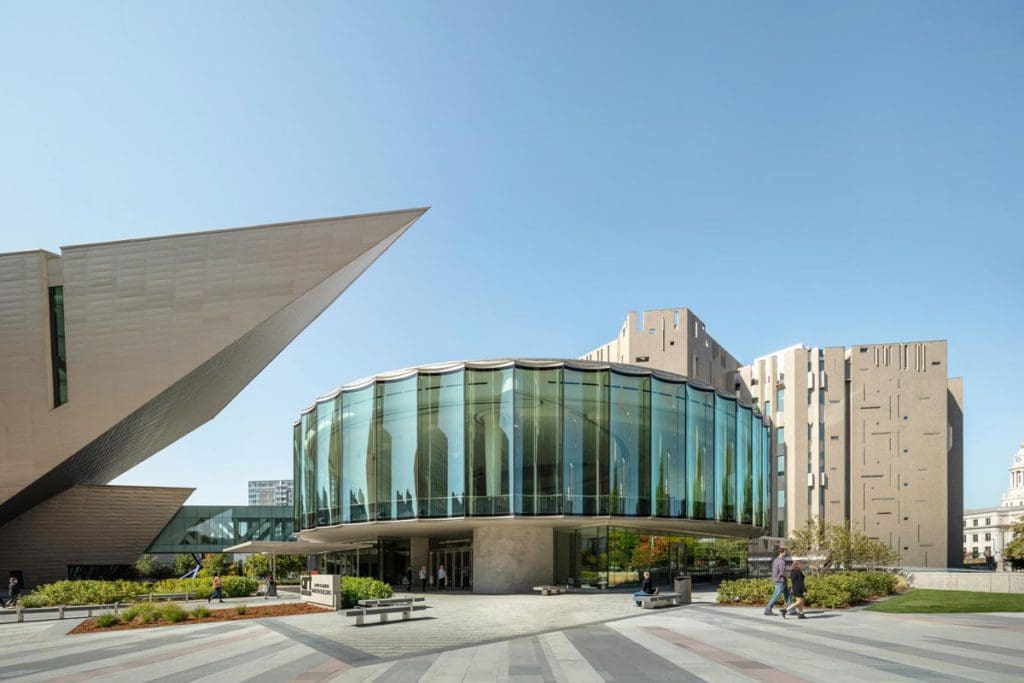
{"x":988,"y":530}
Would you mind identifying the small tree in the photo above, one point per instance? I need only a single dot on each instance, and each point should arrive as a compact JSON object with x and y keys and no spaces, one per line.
{"x":145,"y":565}
{"x":811,"y":541}
{"x":183,"y":564}
{"x":1014,"y":550}
{"x":257,"y":566}
{"x":215,"y":563}
{"x":290,"y":564}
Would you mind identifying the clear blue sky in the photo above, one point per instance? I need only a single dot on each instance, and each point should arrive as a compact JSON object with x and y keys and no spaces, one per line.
{"x":825,"y":173}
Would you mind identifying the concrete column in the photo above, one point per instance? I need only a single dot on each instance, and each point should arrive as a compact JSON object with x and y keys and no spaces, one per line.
{"x":512,"y":559}
{"x":419,"y":553}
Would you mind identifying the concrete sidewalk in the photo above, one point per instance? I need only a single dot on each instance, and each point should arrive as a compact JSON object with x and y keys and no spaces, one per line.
{"x":574,"y":637}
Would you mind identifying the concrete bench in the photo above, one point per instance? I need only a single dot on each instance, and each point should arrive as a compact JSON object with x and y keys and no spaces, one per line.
{"x":658,"y":600}
{"x":551,"y":590}
{"x":386,"y":602}
{"x":61,"y":610}
{"x":406,"y":610}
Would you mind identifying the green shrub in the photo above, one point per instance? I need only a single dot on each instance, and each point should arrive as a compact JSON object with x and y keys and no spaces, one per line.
{"x":834,"y":589}
{"x":746,"y":591}
{"x":33,"y":601}
{"x":130,"y":613}
{"x":355,"y":588}
{"x":87,"y":592}
{"x":240,"y":609}
{"x":107,"y":619}
{"x":233,"y":586}
{"x":173,"y":612}
{"x":201,"y":612}
{"x":146,"y":612}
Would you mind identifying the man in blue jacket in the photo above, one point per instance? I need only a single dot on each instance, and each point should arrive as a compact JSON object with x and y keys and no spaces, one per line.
{"x":779,"y":579}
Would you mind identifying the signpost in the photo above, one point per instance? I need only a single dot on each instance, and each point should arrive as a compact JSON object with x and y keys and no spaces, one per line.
{"x":321,"y":589}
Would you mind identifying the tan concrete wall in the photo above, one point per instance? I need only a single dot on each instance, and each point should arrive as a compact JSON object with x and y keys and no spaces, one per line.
{"x":86,"y":525}
{"x":899,"y":448}
{"x":979,"y":582}
{"x":512,"y":559}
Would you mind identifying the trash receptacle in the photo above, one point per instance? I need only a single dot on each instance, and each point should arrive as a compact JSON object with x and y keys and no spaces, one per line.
{"x":682,"y":586}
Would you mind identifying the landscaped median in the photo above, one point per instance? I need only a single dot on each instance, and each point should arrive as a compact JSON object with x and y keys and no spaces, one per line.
{"x":140,"y":614}
{"x":145,"y":614}
{"x":108,"y":592}
{"x":832,"y":589}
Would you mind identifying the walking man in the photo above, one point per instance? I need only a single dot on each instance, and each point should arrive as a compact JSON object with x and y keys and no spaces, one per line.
{"x":423,"y":578}
{"x":779,"y":579}
{"x":217,"y":584}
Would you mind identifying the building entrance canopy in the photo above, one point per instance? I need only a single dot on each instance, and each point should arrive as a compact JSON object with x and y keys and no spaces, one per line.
{"x":293,"y":547}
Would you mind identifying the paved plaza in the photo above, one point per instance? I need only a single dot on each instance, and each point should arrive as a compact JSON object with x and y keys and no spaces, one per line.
{"x":575,"y":637}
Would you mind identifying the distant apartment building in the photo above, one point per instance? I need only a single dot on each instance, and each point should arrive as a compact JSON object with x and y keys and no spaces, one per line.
{"x":871,"y":434}
{"x":271,"y":492}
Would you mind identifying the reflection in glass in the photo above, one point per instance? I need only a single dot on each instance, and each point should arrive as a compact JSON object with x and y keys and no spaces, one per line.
{"x":357,"y":464}
{"x":668,"y":448}
{"x":538,"y":441}
{"x":700,"y":465}
{"x":585,"y":442}
{"x":489,"y":440}
{"x":439,"y":461}
{"x":396,"y":450}
{"x":296,"y":471}
{"x":758,"y":471}
{"x":328,"y":461}
{"x":308,"y":478}
{"x":530,"y":441}
{"x":629,"y":445}
{"x":725,"y":459}
{"x":744,"y":466}
{"x":766,"y":456}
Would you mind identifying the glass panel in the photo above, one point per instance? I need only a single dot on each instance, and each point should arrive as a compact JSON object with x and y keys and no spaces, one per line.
{"x":668,"y":448}
{"x":489,"y":440}
{"x":396,"y":450}
{"x":585,"y":442}
{"x":725,"y":459}
{"x":629,"y":445}
{"x":766,"y":454}
{"x":357,"y":464}
{"x":744,"y":466}
{"x":700,"y":465}
{"x":440,"y":467}
{"x":308,"y":478}
{"x":297,"y":473}
{"x":538,"y":441}
{"x":328,"y":461}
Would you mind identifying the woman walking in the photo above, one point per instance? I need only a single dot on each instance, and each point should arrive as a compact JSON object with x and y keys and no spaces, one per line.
{"x":796,"y":577}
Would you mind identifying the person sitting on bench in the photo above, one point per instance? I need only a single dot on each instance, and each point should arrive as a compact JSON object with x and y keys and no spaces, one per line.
{"x":646,"y":589}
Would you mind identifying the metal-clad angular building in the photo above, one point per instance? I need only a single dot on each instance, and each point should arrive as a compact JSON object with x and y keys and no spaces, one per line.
{"x":110,"y":352}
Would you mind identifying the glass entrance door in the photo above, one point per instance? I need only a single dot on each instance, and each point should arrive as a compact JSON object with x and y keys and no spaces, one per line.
{"x":458,"y":565}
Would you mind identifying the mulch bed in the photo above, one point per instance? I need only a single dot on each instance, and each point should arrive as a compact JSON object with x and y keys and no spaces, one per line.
{"x":228,"y":614}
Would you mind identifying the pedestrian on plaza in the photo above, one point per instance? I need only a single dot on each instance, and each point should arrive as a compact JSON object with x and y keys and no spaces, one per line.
{"x":647,"y":588}
{"x":13,"y":589}
{"x":442,"y":578}
{"x":217,"y":593}
{"x":779,"y":579}
{"x":423,"y":578}
{"x":408,"y":579}
{"x":796,"y":576}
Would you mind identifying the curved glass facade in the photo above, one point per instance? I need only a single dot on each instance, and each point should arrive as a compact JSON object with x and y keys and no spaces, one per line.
{"x":530,"y":439}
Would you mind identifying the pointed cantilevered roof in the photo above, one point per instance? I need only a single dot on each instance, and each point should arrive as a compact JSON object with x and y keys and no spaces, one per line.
{"x":160,"y":334}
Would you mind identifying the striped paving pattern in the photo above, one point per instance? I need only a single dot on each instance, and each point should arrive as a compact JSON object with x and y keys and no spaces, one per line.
{"x":695,"y":643}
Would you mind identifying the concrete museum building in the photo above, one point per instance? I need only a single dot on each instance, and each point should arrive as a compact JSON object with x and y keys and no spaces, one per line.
{"x":110,"y":352}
